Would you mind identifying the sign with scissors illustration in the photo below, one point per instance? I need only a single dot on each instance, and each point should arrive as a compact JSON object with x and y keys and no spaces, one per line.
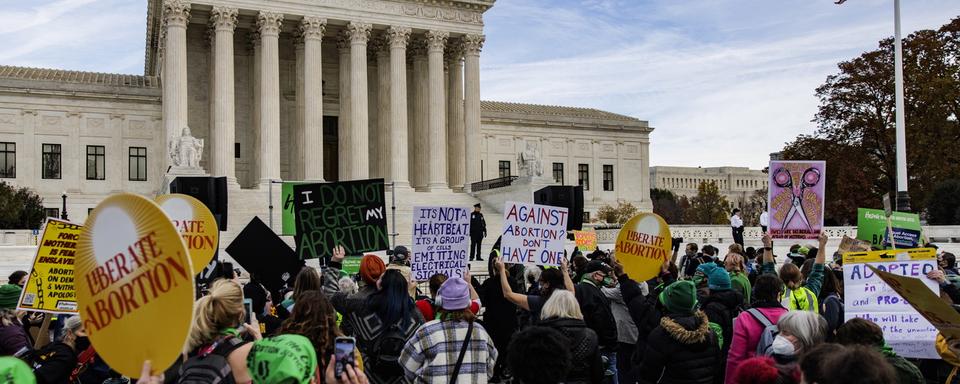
{"x":796,"y":199}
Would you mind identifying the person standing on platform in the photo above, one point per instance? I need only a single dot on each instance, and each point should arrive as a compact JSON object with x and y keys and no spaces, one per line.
{"x":478,"y":230}
{"x":764,"y":220}
{"x":736,"y":224}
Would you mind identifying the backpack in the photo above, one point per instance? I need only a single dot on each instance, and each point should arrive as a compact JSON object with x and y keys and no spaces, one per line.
{"x":210,"y":365}
{"x":386,"y":351}
{"x":770,"y":331}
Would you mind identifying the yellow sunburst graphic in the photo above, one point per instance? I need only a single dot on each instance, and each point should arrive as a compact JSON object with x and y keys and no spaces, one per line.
{"x":134,"y":284}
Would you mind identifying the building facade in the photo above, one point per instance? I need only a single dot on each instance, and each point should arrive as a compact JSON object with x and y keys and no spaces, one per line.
{"x":318,"y":90}
{"x":737,"y":184}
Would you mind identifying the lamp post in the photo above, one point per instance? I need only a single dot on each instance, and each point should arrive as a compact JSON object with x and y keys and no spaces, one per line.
{"x":63,"y":212}
{"x":903,"y":197}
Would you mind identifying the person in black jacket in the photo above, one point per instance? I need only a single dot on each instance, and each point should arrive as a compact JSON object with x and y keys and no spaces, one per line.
{"x":721,"y":303}
{"x":645,"y":311}
{"x":561,"y":312}
{"x":500,"y":315}
{"x":596,"y":309}
{"x":683,"y":348}
{"x":478,"y":230}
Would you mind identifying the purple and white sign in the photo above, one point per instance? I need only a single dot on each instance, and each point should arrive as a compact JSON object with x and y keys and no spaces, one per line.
{"x":796,"y":199}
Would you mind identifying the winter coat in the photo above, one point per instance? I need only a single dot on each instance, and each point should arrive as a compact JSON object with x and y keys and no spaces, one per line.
{"x":500,"y":315}
{"x":12,"y":338}
{"x":644,"y":310}
{"x":586,"y":364}
{"x":597,"y":313}
{"x":681,"y":350}
{"x":626,"y":329}
{"x":746,"y":336}
{"x":721,"y":307}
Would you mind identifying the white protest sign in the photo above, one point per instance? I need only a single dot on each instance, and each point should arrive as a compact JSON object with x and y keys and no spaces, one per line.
{"x":533,"y":234}
{"x":867,"y":296}
{"x":441,"y":239}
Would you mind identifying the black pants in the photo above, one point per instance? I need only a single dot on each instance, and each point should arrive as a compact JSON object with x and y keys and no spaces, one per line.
{"x":475,"y":248}
{"x":738,"y":235}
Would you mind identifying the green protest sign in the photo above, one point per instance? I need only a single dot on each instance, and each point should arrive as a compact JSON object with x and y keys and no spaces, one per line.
{"x":351,"y":265}
{"x":872,"y":227}
{"x":287,"y":217}
{"x":351,"y":214}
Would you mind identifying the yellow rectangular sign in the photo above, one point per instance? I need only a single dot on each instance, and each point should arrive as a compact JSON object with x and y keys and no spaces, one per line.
{"x":889,"y":255}
{"x":50,"y":284}
{"x":586,"y":241}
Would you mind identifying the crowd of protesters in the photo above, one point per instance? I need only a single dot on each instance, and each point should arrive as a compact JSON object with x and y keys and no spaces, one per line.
{"x":741,"y":318}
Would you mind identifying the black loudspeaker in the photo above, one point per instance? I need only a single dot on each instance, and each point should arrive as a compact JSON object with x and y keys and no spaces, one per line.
{"x":565,"y":196}
{"x":212,"y":191}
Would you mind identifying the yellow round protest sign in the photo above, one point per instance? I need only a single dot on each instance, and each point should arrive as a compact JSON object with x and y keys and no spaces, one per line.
{"x":196,"y":224}
{"x":643,"y":245}
{"x":134,"y":284}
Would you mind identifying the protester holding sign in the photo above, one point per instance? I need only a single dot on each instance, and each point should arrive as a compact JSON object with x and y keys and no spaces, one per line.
{"x":801,"y":292}
{"x":217,"y":327}
{"x":596,"y":309}
{"x":550,"y":280}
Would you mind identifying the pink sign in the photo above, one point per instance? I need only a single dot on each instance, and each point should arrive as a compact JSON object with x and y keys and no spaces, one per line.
{"x":796,"y":199}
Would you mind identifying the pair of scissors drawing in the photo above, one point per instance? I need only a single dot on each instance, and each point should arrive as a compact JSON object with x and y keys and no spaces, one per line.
{"x":783,"y":179}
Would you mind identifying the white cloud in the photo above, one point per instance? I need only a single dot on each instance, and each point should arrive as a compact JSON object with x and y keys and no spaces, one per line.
{"x":724,"y":82}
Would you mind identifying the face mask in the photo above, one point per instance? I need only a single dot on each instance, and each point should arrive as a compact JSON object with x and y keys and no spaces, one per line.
{"x":608,"y":281}
{"x":782,"y":346}
{"x":82,"y":343}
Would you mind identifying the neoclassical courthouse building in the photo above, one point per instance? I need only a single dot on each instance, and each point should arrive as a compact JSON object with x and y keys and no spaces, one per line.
{"x":305,"y":90}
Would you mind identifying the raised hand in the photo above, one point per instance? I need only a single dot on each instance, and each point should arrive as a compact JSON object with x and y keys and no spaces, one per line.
{"x":338,"y":254}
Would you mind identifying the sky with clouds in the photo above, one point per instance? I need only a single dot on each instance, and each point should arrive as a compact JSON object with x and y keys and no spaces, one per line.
{"x":724,"y":82}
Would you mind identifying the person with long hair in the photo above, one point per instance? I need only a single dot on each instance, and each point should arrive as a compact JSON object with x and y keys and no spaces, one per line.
{"x":550,"y":280}
{"x":307,"y":280}
{"x":218,"y":318}
{"x":381,"y":323}
{"x":452,"y":348}
{"x":801,"y":290}
{"x":315,"y":319}
{"x":831,"y":301}
{"x":562,"y":312}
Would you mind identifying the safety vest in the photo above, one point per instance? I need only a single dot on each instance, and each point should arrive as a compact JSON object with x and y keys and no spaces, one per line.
{"x":801,"y":299}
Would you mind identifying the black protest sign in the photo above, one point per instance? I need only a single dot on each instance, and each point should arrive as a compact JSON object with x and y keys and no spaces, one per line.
{"x":260,"y":251}
{"x":351,"y":214}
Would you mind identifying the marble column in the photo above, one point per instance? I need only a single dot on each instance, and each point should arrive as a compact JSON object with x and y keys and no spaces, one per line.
{"x":311,"y":31}
{"x":419,"y":144}
{"x":269,"y":25}
{"x":471,"y":101}
{"x":385,"y":148}
{"x":343,"y":123}
{"x":359,"y":150}
{"x":455,"y":123}
{"x":223,"y":20}
{"x":398,"y":37}
{"x":176,"y":15}
{"x":296,"y":147}
{"x":254,"y":176}
{"x":436,"y":41}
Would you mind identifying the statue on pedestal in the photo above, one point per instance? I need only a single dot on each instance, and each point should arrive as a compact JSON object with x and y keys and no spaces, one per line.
{"x":186,"y":150}
{"x":529,"y":161}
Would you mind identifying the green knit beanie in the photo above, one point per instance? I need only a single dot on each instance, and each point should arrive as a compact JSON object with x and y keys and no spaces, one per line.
{"x":680,"y":297}
{"x":9,"y":295}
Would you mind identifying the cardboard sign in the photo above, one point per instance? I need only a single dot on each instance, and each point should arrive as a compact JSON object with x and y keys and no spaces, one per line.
{"x":643,"y":245}
{"x":260,"y":251}
{"x":586,"y":240}
{"x":796,"y":199}
{"x":868,"y":296}
{"x":533,"y":234}
{"x":872,"y":227}
{"x":135,"y":284}
{"x":922,"y":299}
{"x":196,"y":224}
{"x":287,"y":217}
{"x":441,"y":240}
{"x":350,"y":213}
{"x":849,"y":244}
{"x":50,"y":285}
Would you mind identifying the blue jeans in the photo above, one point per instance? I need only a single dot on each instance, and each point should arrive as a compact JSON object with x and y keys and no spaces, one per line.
{"x":610,"y":356}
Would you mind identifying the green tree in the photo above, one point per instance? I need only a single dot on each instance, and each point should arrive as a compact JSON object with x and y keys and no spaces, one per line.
{"x":943,"y":206}
{"x":856,"y":129}
{"x":20,"y":208}
{"x":753,"y":207}
{"x":616,"y":215}
{"x":667,"y":205}
{"x":708,"y":206}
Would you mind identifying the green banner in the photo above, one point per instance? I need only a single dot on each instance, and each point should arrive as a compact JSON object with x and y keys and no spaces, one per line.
{"x":351,"y":265}
{"x":872,"y":227}
{"x":287,"y":217}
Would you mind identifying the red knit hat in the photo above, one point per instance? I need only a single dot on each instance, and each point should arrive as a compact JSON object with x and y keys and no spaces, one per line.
{"x":371,"y":267}
{"x":757,"y":370}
